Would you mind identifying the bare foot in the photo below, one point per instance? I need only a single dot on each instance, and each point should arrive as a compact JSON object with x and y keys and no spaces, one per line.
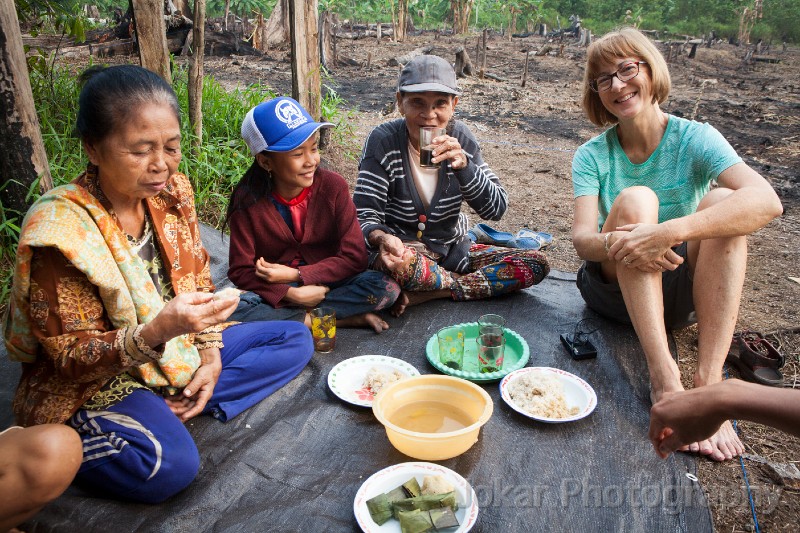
{"x":366,"y":320}
{"x":409,"y":298}
{"x":724,"y":445}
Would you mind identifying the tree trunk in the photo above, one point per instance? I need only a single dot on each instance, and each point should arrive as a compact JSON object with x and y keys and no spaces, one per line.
{"x":327,"y":43}
{"x":228,"y":13}
{"x":151,"y":34}
{"x":461,"y":10}
{"x":24,"y":159}
{"x":259,"y":37}
{"x":402,"y":16}
{"x":185,"y":8}
{"x":277,"y":28}
{"x":196,"y":74}
{"x":393,"y":12}
{"x":306,"y":81}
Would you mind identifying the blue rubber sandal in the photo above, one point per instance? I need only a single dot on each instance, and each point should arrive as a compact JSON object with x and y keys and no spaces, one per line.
{"x":485,"y":234}
{"x":531,"y":240}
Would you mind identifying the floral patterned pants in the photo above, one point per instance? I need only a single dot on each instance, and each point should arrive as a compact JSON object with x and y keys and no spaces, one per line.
{"x":493,"y":271}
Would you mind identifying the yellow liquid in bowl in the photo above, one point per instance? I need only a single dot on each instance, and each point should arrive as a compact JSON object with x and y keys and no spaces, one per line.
{"x":430,"y":417}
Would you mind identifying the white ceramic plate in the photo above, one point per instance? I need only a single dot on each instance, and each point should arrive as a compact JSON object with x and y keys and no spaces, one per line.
{"x":577,"y":393}
{"x":346,"y":378}
{"x":394,"y":476}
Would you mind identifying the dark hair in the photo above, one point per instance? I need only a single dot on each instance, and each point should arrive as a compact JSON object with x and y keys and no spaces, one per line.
{"x":254,"y":185}
{"x":111,"y":94}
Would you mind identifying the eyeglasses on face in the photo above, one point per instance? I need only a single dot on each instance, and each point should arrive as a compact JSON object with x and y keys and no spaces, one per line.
{"x":626,"y":72}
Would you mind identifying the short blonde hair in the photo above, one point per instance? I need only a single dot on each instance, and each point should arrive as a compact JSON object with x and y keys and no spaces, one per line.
{"x":625,"y":42}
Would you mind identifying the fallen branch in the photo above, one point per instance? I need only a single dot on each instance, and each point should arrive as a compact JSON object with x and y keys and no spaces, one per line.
{"x":493,"y":77}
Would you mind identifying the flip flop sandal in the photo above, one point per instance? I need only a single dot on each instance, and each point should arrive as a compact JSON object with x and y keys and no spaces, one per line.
{"x":530,"y":240}
{"x":485,"y":234}
{"x":756,"y":359}
{"x":544,"y":239}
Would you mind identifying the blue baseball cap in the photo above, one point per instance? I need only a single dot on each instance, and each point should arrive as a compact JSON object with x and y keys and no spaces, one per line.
{"x":279,"y":125}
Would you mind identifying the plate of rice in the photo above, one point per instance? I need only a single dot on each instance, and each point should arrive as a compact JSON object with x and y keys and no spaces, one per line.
{"x":548,"y":394}
{"x":357,"y":380}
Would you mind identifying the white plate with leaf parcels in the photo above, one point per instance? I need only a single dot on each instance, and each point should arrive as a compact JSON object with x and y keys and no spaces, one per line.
{"x":394,"y":476}
{"x":346,"y":379}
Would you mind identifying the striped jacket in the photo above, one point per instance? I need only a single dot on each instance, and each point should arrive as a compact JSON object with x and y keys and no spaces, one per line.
{"x":387,"y":199}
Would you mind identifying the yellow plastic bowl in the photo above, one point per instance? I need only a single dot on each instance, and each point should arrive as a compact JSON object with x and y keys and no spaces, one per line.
{"x":461,"y":394}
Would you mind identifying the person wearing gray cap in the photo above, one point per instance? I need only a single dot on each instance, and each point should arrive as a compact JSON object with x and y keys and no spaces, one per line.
{"x":410,"y":210}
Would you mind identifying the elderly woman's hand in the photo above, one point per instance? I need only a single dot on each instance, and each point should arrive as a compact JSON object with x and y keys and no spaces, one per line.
{"x":189,"y":312}
{"x":647,"y":247}
{"x":447,"y":147}
{"x":198,"y":392}
{"x":392,"y":251}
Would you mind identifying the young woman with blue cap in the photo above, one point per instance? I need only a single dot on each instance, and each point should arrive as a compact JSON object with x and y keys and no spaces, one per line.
{"x":295,"y":238}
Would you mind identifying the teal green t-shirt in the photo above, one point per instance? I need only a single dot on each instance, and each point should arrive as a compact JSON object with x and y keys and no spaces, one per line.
{"x":679,"y":171}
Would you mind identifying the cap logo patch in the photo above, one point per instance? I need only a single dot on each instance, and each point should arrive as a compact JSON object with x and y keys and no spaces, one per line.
{"x":288,"y":113}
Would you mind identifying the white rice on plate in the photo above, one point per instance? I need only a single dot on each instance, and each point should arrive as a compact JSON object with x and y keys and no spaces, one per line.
{"x":376,"y":379}
{"x":541,"y":394}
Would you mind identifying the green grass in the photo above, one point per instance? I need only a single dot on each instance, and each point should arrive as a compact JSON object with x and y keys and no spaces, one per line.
{"x":214,"y":169}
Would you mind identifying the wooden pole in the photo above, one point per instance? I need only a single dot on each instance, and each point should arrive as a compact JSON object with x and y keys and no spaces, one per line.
{"x":306,"y":80}
{"x":151,"y":33}
{"x":196,"y":74}
{"x":24,"y":159}
{"x":483,"y":60}
{"x":525,"y":70}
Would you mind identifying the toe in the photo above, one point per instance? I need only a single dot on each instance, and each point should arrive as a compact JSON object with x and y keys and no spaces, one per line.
{"x":705,"y":447}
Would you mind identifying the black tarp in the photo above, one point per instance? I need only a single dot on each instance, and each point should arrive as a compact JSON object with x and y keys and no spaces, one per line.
{"x":295,"y":461}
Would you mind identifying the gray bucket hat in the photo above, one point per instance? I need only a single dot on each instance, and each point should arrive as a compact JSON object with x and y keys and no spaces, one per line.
{"x":428,"y":73}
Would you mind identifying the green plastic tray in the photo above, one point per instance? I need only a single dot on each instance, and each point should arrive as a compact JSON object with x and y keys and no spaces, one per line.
{"x":516,"y":355}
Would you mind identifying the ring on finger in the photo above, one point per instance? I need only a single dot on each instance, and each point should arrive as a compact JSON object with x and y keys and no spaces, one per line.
{"x":626,"y":260}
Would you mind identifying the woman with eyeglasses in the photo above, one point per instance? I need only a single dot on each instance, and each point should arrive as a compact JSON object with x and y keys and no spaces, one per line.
{"x":663,"y":248}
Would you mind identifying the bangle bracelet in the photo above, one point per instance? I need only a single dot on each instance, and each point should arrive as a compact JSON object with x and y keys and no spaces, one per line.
{"x":605,"y":240}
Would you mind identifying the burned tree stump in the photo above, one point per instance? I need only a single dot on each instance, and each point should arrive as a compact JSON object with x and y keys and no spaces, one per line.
{"x":402,"y":60}
{"x":463,"y":63}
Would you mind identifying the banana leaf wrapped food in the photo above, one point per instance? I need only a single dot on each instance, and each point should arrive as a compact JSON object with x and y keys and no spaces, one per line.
{"x":422,"y":512}
{"x":380,"y":507}
{"x":415,"y":521}
{"x":426,"y":503}
{"x":443,"y":518}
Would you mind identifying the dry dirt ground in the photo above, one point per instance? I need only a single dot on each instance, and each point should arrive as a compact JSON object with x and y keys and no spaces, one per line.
{"x":528,"y":136}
